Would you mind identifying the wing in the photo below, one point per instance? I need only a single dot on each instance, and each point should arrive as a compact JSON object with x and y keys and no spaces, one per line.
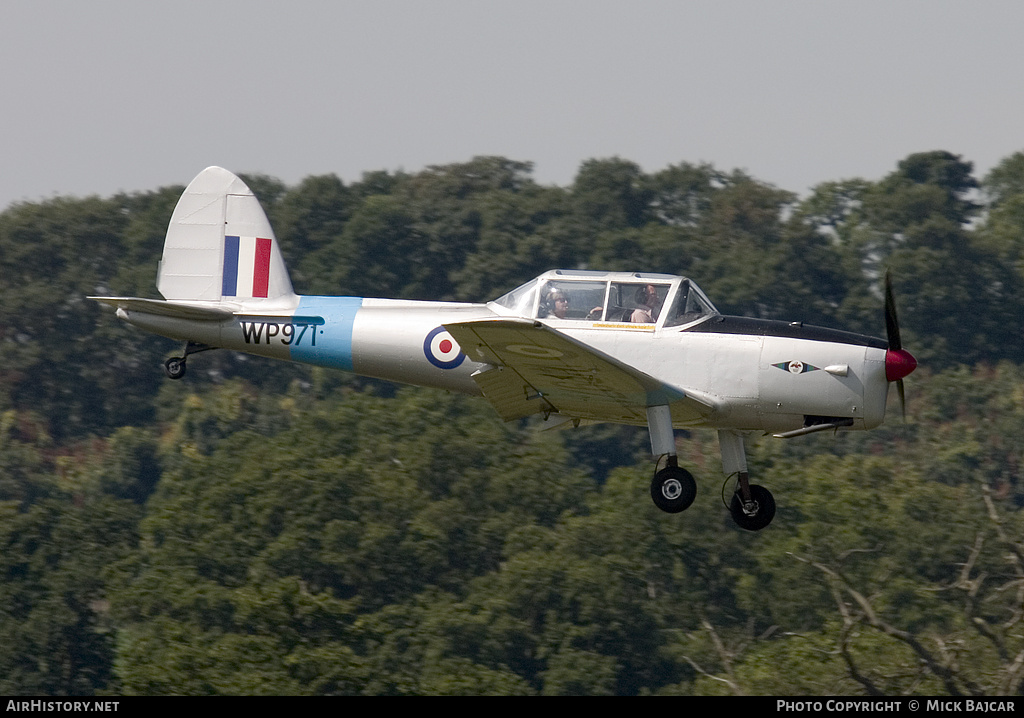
{"x":534,"y":368}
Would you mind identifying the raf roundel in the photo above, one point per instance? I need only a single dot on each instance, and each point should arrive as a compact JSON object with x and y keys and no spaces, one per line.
{"x":442,"y":350}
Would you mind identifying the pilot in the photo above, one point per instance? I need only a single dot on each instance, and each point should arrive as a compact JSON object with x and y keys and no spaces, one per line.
{"x":556,"y":304}
{"x":648,"y":305}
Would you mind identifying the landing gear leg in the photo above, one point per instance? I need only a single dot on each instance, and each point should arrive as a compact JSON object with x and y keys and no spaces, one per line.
{"x":673,"y":489}
{"x":176,"y":366}
{"x":752,"y":506}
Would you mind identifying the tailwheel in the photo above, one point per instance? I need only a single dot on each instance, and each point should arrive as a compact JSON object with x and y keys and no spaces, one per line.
{"x":175,"y":367}
{"x":755,"y":514}
{"x":673,"y":489}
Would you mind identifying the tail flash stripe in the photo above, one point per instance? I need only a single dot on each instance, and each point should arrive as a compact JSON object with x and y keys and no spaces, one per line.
{"x":246,"y":266}
{"x":261,"y":270}
{"x":230,"y":284}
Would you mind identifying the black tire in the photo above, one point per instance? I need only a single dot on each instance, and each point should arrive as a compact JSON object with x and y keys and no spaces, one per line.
{"x":175,"y":367}
{"x":764,"y":514}
{"x":673,"y":489}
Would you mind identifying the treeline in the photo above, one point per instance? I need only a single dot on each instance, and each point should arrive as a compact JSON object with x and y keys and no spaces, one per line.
{"x":269,"y":528}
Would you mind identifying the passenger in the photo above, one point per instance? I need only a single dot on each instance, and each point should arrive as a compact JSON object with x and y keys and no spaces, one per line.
{"x":648,"y":305}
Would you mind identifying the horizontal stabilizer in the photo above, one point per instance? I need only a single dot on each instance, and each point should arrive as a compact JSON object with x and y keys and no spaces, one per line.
{"x":166,"y":309}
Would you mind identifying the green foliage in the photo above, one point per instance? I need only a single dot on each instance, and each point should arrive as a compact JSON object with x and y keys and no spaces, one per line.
{"x":265,"y":528}
{"x":56,"y":637}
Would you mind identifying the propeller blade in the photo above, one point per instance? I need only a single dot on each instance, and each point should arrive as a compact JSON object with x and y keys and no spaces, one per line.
{"x":892,"y":322}
{"x":898,"y":361}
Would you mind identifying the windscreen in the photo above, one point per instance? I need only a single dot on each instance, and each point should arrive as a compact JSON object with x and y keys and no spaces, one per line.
{"x":521,"y":299}
{"x":688,"y":306}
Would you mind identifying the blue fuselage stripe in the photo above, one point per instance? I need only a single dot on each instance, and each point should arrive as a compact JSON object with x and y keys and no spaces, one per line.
{"x":333,"y":339}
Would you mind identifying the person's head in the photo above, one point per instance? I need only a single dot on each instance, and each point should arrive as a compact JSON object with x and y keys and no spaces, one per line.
{"x":646,"y":295}
{"x":558,"y":303}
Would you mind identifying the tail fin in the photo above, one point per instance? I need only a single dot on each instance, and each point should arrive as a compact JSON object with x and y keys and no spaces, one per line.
{"x":220,"y":247}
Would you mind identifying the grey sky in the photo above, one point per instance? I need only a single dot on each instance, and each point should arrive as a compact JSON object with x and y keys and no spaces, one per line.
{"x":98,"y":97}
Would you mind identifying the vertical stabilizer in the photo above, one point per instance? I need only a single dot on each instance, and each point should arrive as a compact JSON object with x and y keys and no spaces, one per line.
{"x":220,"y":247}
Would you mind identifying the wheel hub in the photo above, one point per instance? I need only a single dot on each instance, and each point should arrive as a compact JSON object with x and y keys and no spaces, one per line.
{"x":672,"y":489}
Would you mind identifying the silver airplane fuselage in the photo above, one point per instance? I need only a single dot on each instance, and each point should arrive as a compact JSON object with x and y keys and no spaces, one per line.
{"x":758,"y":375}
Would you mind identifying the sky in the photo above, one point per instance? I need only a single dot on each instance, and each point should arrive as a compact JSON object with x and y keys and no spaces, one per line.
{"x":109,"y":96}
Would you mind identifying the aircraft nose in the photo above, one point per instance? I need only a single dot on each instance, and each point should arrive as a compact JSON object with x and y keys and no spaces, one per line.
{"x":898,"y":364}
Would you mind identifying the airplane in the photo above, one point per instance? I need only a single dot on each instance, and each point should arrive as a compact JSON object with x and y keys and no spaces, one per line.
{"x":573,"y":346}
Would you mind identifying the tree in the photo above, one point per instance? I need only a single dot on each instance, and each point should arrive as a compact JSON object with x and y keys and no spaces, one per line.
{"x":56,"y":553}
{"x":310,"y":217}
{"x":611,"y":193}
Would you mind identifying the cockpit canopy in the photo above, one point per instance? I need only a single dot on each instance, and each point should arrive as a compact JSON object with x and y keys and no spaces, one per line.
{"x":663,"y":300}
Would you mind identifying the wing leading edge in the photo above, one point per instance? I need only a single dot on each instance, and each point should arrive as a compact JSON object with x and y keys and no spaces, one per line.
{"x":534,"y":369}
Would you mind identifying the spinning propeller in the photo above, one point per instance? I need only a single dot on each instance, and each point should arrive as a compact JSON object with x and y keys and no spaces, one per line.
{"x":898,"y":361}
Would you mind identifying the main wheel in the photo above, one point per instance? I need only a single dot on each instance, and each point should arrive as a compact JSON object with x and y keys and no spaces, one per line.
{"x":175,"y":367}
{"x":673,"y":489}
{"x":756,"y":516}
